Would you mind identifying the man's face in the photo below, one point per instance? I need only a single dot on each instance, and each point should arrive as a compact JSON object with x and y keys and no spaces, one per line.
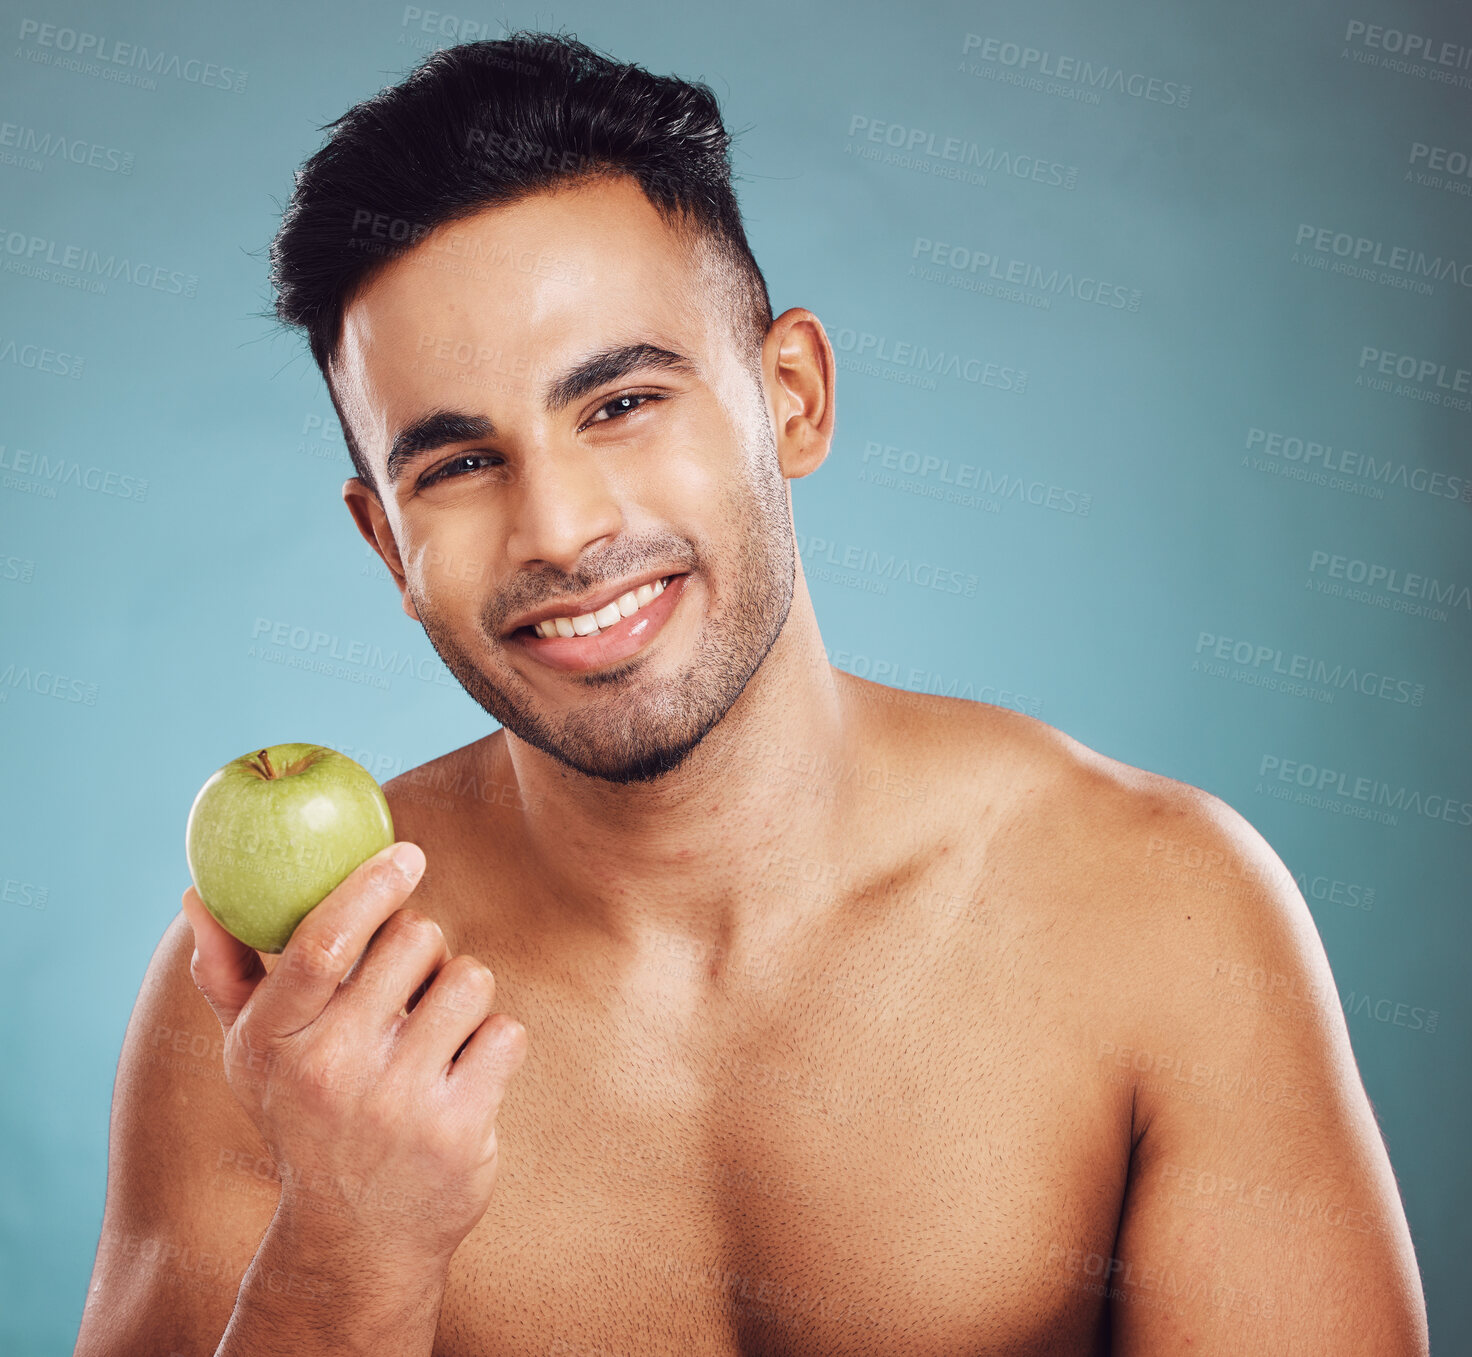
{"x":554,"y":499}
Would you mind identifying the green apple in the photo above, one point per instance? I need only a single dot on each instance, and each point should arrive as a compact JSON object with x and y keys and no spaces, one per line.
{"x":273,"y":832}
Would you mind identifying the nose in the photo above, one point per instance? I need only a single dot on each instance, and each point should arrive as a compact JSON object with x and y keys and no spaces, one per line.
{"x":564,"y":505}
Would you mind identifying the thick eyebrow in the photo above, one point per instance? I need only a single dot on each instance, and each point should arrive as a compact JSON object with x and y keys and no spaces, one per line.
{"x":443,"y":427}
{"x":595,"y":371}
{"x":433,"y":432}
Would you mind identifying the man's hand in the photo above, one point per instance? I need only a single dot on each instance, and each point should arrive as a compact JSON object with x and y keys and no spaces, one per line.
{"x":381,"y":1120}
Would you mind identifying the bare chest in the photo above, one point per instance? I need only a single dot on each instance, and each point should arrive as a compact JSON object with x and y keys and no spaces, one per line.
{"x":890,"y":1150}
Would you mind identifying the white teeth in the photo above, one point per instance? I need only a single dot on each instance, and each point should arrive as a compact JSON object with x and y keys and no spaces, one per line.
{"x":588,"y":623}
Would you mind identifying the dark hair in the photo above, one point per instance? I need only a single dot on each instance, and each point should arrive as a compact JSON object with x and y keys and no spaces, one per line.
{"x":491,"y":122}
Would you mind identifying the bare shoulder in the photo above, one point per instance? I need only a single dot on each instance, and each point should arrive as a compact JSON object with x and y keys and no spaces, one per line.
{"x":432,"y":785}
{"x":461,"y":779}
{"x":1259,"y":1182}
{"x":191,"y":1186}
{"x":173,"y":1093}
{"x":1195,"y":982}
{"x":1135,"y":826}
{"x":1043,"y":778}
{"x":1157,"y":883}
{"x":177,"y":1048}
{"x":1193,"y":895}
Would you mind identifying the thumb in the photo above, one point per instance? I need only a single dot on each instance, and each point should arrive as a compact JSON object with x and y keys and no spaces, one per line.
{"x":226,"y":970}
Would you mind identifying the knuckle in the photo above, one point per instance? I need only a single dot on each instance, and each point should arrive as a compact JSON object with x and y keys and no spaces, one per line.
{"x":323,"y":1072}
{"x":510,"y":1036}
{"x":384,"y":877}
{"x":516,"y":1037}
{"x":464,"y":985}
{"x":412,"y":928}
{"x":324,"y":950}
{"x":472,"y":967}
{"x":472,"y":975}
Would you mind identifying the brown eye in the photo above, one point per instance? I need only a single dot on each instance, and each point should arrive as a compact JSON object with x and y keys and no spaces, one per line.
{"x":457,"y":466}
{"x":620,"y":405}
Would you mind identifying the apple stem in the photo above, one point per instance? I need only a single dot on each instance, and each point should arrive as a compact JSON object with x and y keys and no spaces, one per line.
{"x":262,"y":761}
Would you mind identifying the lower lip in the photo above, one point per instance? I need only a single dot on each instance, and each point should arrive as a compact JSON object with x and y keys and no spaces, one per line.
{"x":624,"y":638}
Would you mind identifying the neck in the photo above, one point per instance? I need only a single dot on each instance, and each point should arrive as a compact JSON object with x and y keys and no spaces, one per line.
{"x":691,"y":851}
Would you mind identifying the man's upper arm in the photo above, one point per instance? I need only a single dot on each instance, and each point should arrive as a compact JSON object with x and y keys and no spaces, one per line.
{"x":1262,"y":1215}
{"x":190,"y":1186}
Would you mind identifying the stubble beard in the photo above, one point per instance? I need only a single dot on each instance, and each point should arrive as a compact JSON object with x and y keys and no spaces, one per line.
{"x":635,"y":726}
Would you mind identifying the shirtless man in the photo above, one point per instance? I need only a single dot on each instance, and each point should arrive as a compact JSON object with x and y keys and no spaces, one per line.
{"x":742,"y":1006}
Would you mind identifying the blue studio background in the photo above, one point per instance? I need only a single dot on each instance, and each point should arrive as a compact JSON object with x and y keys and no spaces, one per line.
{"x":1153,"y":323}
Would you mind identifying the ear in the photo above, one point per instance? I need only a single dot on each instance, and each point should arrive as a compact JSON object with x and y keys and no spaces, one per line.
{"x":367,"y":511}
{"x":797,"y":360}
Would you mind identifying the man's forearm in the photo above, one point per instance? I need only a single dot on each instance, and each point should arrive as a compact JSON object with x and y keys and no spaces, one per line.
{"x":307,"y":1294}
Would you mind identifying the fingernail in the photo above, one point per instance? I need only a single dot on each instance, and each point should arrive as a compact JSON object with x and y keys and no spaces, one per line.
{"x":408,"y":859}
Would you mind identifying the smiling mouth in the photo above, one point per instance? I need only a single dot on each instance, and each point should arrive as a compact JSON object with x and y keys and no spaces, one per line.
{"x":608,"y":635}
{"x":601,"y":619}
